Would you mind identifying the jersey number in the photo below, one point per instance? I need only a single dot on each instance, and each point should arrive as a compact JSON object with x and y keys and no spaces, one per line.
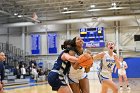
{"x":109,"y":65}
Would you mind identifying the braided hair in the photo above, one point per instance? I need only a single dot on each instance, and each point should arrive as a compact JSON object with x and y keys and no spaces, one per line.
{"x":67,"y":46}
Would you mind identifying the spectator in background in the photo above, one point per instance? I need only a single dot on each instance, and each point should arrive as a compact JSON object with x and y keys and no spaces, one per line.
{"x":2,"y":58}
{"x":17,"y":72}
{"x":41,"y":75}
{"x":46,"y":72}
{"x":34,"y":73}
{"x":33,"y":61}
{"x":40,"y":71}
{"x":23,"y":71}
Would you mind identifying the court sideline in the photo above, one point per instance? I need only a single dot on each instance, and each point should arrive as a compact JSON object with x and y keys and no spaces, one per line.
{"x":95,"y":87}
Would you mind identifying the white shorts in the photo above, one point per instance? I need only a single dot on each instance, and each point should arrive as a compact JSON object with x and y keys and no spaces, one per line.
{"x":104,"y":77}
{"x":76,"y":78}
{"x":121,"y":72}
{"x":75,"y":75}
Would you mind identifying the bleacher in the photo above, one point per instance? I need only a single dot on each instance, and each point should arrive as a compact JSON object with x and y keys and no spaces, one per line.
{"x":14,"y":56}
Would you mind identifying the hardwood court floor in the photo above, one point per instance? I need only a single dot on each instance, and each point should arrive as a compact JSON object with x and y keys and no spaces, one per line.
{"x":95,"y":87}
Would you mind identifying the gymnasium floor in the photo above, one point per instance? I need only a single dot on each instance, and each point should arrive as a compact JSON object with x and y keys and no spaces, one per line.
{"x":45,"y":88}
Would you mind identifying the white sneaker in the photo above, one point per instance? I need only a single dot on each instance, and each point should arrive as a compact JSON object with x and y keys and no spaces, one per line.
{"x":121,"y":88}
{"x":128,"y":88}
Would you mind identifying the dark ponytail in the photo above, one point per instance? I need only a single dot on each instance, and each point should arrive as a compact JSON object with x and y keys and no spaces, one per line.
{"x":69,"y":45}
{"x":66,"y":44}
{"x":73,"y":42}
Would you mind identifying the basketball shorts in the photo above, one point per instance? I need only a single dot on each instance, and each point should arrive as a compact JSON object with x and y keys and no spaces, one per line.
{"x":56,"y":80}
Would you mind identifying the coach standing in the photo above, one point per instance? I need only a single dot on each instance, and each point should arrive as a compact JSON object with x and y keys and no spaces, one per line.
{"x":2,"y":58}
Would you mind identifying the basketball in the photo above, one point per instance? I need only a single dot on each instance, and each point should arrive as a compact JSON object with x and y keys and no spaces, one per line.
{"x":85,"y":60}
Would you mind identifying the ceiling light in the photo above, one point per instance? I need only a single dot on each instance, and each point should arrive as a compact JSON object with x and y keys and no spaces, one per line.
{"x":15,"y":14}
{"x":114,"y":4}
{"x":68,"y":12}
{"x":94,"y":10}
{"x":118,"y":8}
{"x":92,"y":6}
{"x":20,"y":15}
{"x":65,"y":8}
{"x":105,"y":9}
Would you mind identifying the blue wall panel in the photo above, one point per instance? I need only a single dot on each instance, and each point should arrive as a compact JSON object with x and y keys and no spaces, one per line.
{"x":133,"y":70}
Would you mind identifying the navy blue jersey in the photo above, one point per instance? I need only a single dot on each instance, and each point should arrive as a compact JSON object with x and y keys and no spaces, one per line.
{"x":62,"y":66}
{"x":56,"y":77}
{"x":1,"y":70}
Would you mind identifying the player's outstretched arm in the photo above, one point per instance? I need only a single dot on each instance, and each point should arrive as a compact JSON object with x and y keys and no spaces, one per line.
{"x":67,"y":57}
{"x":98,"y":56}
{"x":117,"y":61}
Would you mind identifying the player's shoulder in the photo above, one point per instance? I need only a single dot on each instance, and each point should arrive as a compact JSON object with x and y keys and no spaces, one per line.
{"x":124,"y":62}
{"x":114,"y":53}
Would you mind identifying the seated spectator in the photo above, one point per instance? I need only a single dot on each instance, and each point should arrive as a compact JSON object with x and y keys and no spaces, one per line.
{"x":17,"y":72}
{"x":34,"y":73}
{"x":23,"y":71}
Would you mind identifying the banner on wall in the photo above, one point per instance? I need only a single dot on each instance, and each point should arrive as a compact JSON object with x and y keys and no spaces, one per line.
{"x":52,"y":43}
{"x":35,"y":41}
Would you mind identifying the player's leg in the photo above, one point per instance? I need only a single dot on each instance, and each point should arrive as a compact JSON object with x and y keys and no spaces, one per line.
{"x":126,"y":81}
{"x":84,"y":85}
{"x":75,"y":87}
{"x":110,"y":84}
{"x":104,"y":88}
{"x":74,"y":84}
{"x":1,"y":88}
{"x":64,"y":89}
{"x":120,"y":82}
{"x":58,"y":85}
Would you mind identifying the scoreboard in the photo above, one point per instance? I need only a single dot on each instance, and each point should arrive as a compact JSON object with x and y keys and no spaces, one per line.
{"x":93,"y":37}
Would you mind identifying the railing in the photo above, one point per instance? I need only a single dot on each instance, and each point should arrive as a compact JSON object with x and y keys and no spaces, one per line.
{"x":14,"y":55}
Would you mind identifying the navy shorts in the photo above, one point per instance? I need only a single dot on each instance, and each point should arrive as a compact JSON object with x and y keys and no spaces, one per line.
{"x":54,"y":81}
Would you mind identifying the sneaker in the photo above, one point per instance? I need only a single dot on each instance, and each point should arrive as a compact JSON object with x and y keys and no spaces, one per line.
{"x":121,"y":89}
{"x":128,"y":88}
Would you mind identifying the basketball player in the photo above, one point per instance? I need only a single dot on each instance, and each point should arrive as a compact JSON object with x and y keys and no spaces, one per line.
{"x":78,"y":80}
{"x":109,"y":60}
{"x":2,"y":58}
{"x":56,"y":77}
{"x":122,"y":73}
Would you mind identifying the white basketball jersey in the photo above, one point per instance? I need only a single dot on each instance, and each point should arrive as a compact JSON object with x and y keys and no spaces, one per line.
{"x":78,"y":74}
{"x":122,"y":64}
{"x":122,"y":71}
{"x":107,"y":65}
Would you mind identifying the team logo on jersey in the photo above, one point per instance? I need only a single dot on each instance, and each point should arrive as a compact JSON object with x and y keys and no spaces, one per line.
{"x":110,"y":60}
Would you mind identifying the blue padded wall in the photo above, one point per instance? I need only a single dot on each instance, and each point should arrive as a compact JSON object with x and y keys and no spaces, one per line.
{"x":133,"y":70}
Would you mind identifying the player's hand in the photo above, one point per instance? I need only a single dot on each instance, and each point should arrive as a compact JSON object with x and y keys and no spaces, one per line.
{"x":116,"y":58}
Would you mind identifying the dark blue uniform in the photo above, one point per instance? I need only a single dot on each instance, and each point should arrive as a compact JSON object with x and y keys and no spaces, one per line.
{"x":2,"y":70}
{"x":56,"y":77}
